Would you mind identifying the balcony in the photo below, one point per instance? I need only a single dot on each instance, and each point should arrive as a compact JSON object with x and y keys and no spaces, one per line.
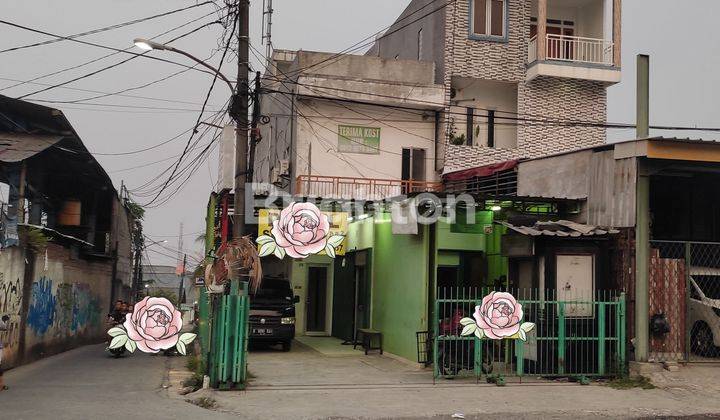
{"x":574,"y":49}
{"x":575,"y":39}
{"x":370,"y":189}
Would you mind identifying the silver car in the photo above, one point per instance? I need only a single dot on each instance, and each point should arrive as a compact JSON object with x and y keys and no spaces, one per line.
{"x":704,"y":311}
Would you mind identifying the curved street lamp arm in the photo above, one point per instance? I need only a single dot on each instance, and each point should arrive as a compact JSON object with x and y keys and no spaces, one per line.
{"x":202,"y":63}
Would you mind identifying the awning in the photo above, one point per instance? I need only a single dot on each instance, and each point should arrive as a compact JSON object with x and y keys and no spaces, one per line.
{"x":480,"y":171}
{"x":16,"y":147}
{"x":560,"y":228}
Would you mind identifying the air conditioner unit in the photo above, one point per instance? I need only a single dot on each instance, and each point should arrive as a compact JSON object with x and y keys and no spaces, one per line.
{"x":284,"y":167}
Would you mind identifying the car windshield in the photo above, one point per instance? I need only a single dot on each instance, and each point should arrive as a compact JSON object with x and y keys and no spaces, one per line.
{"x":274,"y":289}
{"x":710,"y":285}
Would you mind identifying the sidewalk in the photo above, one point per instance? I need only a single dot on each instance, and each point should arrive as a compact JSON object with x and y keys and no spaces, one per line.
{"x":305,"y":384}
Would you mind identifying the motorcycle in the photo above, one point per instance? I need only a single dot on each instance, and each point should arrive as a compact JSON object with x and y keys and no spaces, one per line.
{"x":120,"y":351}
{"x":457,"y":355}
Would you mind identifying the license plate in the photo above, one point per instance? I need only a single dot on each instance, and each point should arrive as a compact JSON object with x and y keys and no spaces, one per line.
{"x":262,"y":331}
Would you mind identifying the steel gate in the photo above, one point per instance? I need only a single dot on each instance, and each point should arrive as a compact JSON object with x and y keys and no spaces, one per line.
{"x":578,"y":336}
{"x":684,"y":301}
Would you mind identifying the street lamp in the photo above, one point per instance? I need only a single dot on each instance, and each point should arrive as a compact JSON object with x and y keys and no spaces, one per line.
{"x":238,"y":111}
{"x":147,"y":45}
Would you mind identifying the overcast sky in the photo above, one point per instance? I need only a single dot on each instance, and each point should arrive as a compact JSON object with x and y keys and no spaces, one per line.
{"x":684,"y":49}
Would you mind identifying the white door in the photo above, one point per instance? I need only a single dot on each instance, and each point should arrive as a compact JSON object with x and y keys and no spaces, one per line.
{"x":576,"y":283}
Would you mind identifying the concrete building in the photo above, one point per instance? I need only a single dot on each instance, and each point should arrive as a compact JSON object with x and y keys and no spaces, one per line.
{"x":66,"y":236}
{"x":348,"y":126}
{"x":513,"y":71}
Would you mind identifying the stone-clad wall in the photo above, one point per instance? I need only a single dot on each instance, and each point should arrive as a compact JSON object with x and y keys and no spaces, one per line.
{"x":550,"y":98}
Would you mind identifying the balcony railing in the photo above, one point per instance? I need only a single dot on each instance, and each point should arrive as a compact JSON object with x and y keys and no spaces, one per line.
{"x":575,"y":49}
{"x":360,"y":188}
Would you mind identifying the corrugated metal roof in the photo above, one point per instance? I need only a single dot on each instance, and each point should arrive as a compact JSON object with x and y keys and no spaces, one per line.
{"x":560,"y":228}
{"x":15,"y":147}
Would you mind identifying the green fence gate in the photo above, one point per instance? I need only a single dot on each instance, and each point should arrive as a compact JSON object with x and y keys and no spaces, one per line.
{"x":574,"y":336}
{"x":223,"y":331}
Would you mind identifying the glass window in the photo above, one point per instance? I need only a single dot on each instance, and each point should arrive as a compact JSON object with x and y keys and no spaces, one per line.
{"x":488,"y":17}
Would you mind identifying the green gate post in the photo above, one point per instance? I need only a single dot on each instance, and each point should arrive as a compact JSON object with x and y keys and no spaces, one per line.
{"x":561,"y":338}
{"x":621,"y":336}
{"x":520,"y":357}
{"x":436,"y":341}
{"x":601,"y":338}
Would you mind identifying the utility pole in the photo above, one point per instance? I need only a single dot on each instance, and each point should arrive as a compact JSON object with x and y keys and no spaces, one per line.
{"x":267,"y":37}
{"x":239,"y":112}
{"x":182,"y":280}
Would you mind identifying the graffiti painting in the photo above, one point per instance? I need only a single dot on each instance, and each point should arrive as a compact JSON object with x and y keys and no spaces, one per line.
{"x":498,"y":317}
{"x":154,"y":325}
{"x":41,"y":313}
{"x":300,"y":231}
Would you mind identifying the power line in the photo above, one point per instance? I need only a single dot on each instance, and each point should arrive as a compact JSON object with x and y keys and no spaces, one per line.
{"x":134,"y":56}
{"x":207,"y":97}
{"x":106,"y":28}
{"x":63,"y":70}
{"x":149,"y":98}
{"x":93,"y":44}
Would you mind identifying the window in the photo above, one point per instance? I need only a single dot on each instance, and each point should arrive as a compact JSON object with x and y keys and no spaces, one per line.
{"x":491,"y":128}
{"x":470,"y":126}
{"x":488,"y":18}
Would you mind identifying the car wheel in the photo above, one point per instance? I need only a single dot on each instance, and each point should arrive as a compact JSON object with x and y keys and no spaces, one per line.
{"x":286,"y":345}
{"x":702,"y":340}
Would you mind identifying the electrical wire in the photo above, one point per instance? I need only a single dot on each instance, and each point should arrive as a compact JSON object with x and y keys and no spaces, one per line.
{"x":86,"y":63}
{"x":207,"y":97}
{"x":104,"y":29}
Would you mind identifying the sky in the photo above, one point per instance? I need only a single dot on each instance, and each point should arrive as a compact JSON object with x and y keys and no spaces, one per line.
{"x":685,"y":85}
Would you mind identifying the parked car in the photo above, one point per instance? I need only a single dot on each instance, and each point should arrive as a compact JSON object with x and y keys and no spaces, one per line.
{"x":272,"y":313}
{"x":704,"y":311}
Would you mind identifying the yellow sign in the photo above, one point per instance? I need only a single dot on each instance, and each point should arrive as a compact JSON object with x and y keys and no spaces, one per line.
{"x":338,"y":225}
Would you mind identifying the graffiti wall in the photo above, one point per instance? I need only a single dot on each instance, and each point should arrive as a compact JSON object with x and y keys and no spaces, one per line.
{"x":11,"y":275}
{"x":68,"y":300}
{"x":68,"y":304}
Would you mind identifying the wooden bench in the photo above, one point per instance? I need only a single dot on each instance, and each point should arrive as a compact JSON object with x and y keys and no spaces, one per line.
{"x":365,"y":338}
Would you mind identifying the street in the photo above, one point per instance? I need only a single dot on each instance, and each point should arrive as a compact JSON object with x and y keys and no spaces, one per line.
{"x":87,"y":384}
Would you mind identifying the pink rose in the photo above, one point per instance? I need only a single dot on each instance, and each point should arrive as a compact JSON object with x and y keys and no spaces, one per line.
{"x":301,"y":230}
{"x":154,"y":324}
{"x":499,"y":315}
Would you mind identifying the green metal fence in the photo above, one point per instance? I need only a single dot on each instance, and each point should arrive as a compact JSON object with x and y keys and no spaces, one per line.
{"x":574,"y":336}
{"x":223,"y":331}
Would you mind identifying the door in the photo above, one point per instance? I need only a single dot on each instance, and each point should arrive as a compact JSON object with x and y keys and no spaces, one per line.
{"x":316,"y":302}
{"x":362,"y":298}
{"x":576,"y":283}
{"x":412,"y":169}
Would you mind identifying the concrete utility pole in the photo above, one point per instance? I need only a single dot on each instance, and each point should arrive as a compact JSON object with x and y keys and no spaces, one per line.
{"x":239,"y":111}
{"x":642,"y":216}
{"x":182,"y":280}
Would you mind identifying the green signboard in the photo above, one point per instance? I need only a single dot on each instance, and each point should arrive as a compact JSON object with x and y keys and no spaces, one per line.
{"x":357,"y":139}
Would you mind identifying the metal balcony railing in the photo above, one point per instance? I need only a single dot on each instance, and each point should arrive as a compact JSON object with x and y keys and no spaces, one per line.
{"x":575,"y":49}
{"x":360,"y":188}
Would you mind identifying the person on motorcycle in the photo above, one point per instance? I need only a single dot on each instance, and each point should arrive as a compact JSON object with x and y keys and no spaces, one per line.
{"x":117,"y":316}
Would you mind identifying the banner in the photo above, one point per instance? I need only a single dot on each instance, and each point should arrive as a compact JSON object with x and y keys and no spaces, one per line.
{"x":338,"y":226}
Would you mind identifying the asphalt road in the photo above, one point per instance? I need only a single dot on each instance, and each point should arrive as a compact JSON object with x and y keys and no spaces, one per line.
{"x":87,"y":384}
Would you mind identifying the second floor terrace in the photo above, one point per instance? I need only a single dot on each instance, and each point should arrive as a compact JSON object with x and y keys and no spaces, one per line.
{"x":578,"y":39}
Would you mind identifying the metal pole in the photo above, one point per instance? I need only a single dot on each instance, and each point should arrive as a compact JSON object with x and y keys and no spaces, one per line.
{"x":239,"y":111}
{"x":643,"y":96}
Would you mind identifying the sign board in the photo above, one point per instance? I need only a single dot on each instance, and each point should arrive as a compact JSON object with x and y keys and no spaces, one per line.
{"x":226,"y":170}
{"x":338,"y":225}
{"x":358,"y":139}
{"x":200,"y":281}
